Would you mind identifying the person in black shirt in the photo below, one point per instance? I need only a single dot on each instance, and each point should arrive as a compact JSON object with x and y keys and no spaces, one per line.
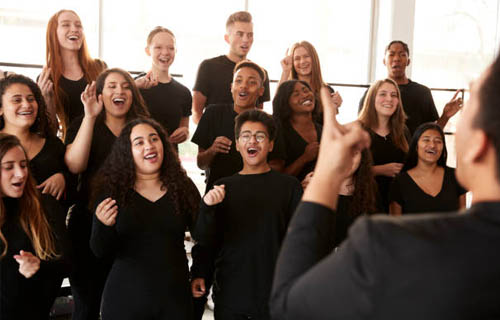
{"x":215,"y":132}
{"x":23,"y":113}
{"x":109,"y":103}
{"x":384,"y":118}
{"x":33,"y":243}
{"x":302,"y":63}
{"x":425,"y":183}
{"x":140,"y":219}
{"x":215,"y":75}
{"x":168,"y":101}
{"x":410,"y":267}
{"x":241,"y":224}
{"x":417,"y":100}
{"x":69,"y":68}
{"x":293,"y":107}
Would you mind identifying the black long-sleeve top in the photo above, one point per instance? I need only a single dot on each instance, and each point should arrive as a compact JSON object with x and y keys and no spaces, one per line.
{"x":22,"y":298}
{"x":149,"y":278}
{"x":243,"y":235}
{"x":442,"y":266}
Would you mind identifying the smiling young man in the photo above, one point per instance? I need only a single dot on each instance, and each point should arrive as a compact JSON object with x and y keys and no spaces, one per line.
{"x":242,"y":222}
{"x":416,"y":98}
{"x":215,"y":75}
{"x":215,"y":132}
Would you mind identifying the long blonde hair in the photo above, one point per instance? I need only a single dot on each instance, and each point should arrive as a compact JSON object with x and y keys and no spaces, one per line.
{"x":91,"y":67}
{"x":368,"y":115}
{"x":31,"y":214}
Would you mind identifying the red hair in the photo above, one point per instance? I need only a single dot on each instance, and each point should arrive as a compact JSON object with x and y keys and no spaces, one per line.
{"x":91,"y":67}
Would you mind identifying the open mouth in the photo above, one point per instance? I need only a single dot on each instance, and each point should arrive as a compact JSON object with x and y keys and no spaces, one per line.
{"x":252,"y":151}
{"x":307,"y":102}
{"x":119,"y":101}
{"x":151,"y":156}
{"x":73,"y":38}
{"x":430,"y":151}
{"x":164,"y":60}
{"x":25,"y":113}
{"x":18,"y":184}
{"x":245,"y":48}
{"x":243,"y":94}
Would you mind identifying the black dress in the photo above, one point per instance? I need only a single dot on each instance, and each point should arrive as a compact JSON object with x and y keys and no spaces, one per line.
{"x":412,"y":199}
{"x":384,"y":151}
{"x":149,"y":278}
{"x":23,"y":298}
{"x":295,"y":146}
{"x":49,"y":161}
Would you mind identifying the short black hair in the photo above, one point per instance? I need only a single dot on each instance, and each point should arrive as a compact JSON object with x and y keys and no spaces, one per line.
{"x":252,"y":65}
{"x":488,"y":115}
{"x":255,"y":116}
{"x":412,"y":157}
{"x":405,"y":46}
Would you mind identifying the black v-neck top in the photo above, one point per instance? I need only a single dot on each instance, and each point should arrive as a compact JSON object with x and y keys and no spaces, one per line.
{"x":413,"y":199}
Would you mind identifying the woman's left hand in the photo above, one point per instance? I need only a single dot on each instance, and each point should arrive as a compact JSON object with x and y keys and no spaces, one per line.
{"x":28,"y":263}
{"x":54,"y":185}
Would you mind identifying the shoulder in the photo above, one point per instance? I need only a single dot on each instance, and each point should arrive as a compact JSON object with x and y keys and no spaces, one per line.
{"x":417,"y":86}
{"x":179,"y":86}
{"x":212,"y":61}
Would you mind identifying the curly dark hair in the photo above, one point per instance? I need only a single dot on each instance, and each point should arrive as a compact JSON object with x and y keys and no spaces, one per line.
{"x":41,"y":126}
{"x":365,"y":191}
{"x":118,"y":173}
{"x":281,"y":106}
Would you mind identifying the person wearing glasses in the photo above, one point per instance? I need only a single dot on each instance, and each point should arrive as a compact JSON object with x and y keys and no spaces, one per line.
{"x":241,"y":224}
{"x":215,"y":132}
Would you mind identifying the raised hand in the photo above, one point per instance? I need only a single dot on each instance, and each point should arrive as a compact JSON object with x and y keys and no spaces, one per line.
{"x":45,"y":84}
{"x":147,"y":81}
{"x":454,"y":105}
{"x":28,"y":263}
{"x":107,"y":211}
{"x":215,"y":195}
{"x":337,"y":100}
{"x":179,"y":135}
{"x":54,"y":185}
{"x":221,"y":144}
{"x":287,"y":63}
{"x":92,"y":104}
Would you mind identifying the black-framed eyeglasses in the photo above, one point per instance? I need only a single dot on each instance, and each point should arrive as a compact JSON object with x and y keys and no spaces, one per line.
{"x":247,"y":136}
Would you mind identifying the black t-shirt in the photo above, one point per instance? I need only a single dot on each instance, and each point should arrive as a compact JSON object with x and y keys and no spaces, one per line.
{"x":244,"y":234}
{"x":49,"y":161}
{"x":71,"y":101}
{"x":214,"y":80}
{"x":168,"y":103}
{"x":218,"y":120}
{"x":418,"y":104}
{"x":102,"y":142}
{"x":295,"y":146}
{"x":412,"y":199}
{"x":384,"y":151}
